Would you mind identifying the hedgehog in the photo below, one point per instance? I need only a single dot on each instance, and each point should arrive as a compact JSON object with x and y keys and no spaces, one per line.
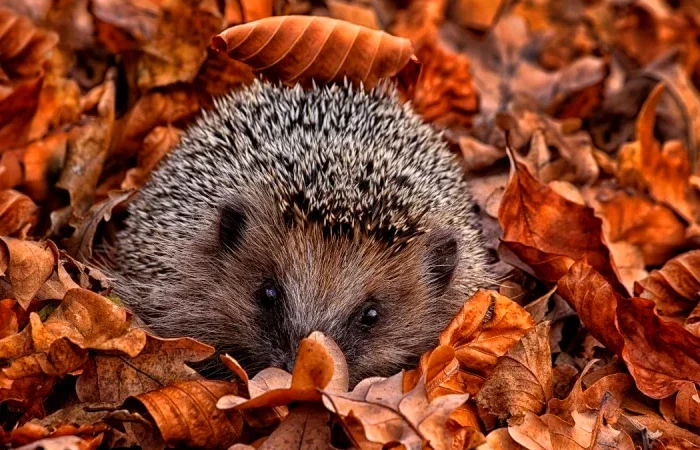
{"x":284,"y":211}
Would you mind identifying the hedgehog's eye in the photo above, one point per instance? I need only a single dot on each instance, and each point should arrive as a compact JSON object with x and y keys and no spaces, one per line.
{"x":369,"y":317}
{"x":268,"y":294}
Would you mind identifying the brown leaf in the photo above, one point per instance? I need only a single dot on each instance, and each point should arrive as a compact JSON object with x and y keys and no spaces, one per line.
{"x":350,"y":12}
{"x":444,"y":93}
{"x":661,"y":356}
{"x":64,"y":443}
{"x":595,"y":302}
{"x":420,"y":21}
{"x":522,"y":378}
{"x":8,"y":318}
{"x":26,"y":266}
{"x":674,"y":288}
{"x":79,"y":245}
{"x":88,"y":147}
{"x":112,"y":376}
{"x":319,"y":365}
{"x":664,"y":172}
{"x":18,"y":213}
{"x":156,"y":145}
{"x":300,"y":48}
{"x":166,"y":54}
{"x":477,"y":14}
{"x":41,"y":159}
{"x":486,"y":327}
{"x":305,"y":427}
{"x":653,"y":228}
{"x":387,"y":415}
{"x":186,"y":413}
{"x":550,"y":233}
{"x":657,"y":426}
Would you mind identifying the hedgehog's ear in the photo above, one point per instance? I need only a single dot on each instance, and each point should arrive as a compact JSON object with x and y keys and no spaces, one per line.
{"x":232,"y":223}
{"x":440,"y":259}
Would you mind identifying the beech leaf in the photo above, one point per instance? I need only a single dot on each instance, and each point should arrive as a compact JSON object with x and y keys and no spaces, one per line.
{"x":301,"y":48}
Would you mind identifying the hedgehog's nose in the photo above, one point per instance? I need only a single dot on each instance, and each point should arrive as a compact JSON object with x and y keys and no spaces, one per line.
{"x":288,"y":365}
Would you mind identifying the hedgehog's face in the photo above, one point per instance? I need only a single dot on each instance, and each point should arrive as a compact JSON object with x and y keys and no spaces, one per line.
{"x":279,"y":282}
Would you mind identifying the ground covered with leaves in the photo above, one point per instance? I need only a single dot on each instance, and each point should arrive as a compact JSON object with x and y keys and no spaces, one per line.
{"x":578,"y":123}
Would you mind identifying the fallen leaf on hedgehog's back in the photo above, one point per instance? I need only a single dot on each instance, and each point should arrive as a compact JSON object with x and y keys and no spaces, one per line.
{"x":305,"y":427}
{"x":319,"y":365}
{"x":550,"y":233}
{"x":151,"y":110}
{"x":156,"y":145}
{"x":300,"y":48}
{"x":388,"y":415}
{"x":362,"y":15}
{"x":43,"y":159}
{"x":595,"y":301}
{"x":18,"y":213}
{"x":79,"y":245}
{"x":486,"y":327}
{"x":26,"y":265}
{"x":652,"y":227}
{"x":185,"y":413}
{"x":65,"y":443}
{"x":444,"y":93}
{"x":660,"y":355}
{"x":114,"y":376}
{"x":522,"y":378}
{"x":674,"y":288}
{"x":88,"y":147}
{"x":665,"y":172}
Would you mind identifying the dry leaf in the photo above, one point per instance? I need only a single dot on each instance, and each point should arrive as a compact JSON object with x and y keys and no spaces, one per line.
{"x":26,"y":266}
{"x":485,"y":328}
{"x":388,"y":415}
{"x":675,"y":287}
{"x":18,"y":213}
{"x":156,"y":145}
{"x":305,"y":427}
{"x":661,"y":356}
{"x":64,"y":443}
{"x":550,"y":233}
{"x":186,"y":414}
{"x":114,"y":376}
{"x":522,"y":379}
{"x":358,"y":14}
{"x":298,"y":48}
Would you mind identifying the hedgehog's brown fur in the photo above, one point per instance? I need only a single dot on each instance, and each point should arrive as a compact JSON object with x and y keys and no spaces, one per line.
{"x":343,"y":199}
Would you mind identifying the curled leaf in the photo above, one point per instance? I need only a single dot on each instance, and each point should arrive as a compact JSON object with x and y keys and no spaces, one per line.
{"x":301,"y":48}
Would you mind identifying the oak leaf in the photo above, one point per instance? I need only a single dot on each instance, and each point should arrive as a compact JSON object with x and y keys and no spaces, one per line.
{"x":185,"y":413}
{"x":300,"y":48}
{"x":522,"y":379}
{"x":112,"y":376}
{"x":18,"y":213}
{"x":305,"y":427}
{"x":549,"y":233}
{"x":25,"y":267}
{"x":388,"y":415}
{"x":482,"y":331}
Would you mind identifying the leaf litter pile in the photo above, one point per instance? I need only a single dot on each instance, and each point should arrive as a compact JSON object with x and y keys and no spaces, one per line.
{"x":578,"y":124}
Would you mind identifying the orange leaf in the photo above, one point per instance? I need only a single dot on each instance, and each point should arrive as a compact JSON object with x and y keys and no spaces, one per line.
{"x":301,"y":48}
{"x":549,"y":233}
{"x":186,"y":414}
{"x":522,"y":378}
{"x":27,"y":266}
{"x":18,"y":213}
